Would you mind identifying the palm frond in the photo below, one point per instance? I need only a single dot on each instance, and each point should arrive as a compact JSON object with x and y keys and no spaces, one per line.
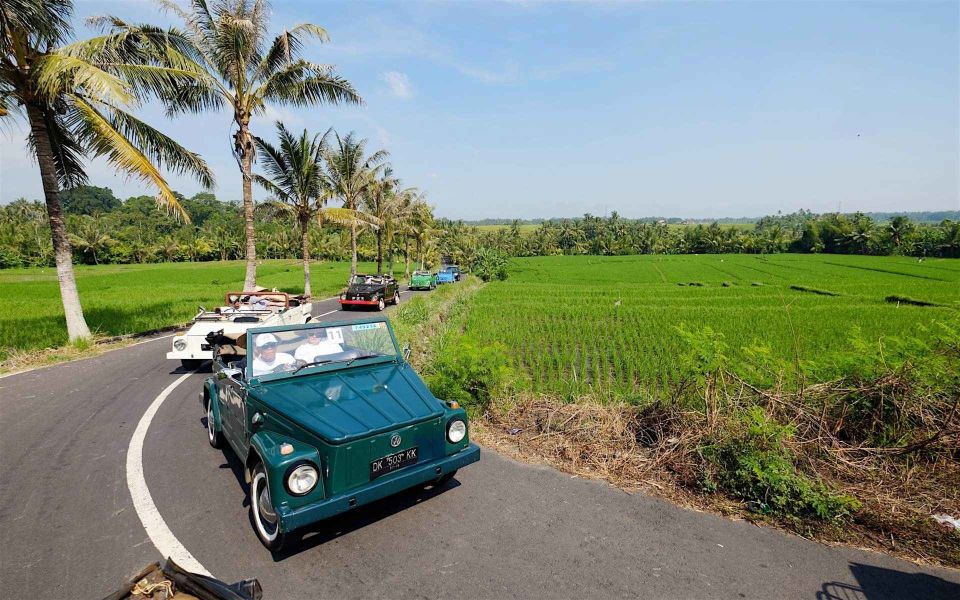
{"x":303,"y":83}
{"x":67,"y":151}
{"x":346,"y":217}
{"x":287,"y":46}
{"x":100,"y":134}
{"x":160,"y":148}
{"x":57,"y":72}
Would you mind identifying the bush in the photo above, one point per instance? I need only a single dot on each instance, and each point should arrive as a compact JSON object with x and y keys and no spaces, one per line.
{"x":489,"y":264}
{"x":470,"y":374}
{"x":756,"y":465}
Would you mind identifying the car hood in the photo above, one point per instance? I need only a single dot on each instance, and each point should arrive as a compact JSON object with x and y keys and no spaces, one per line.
{"x":343,"y":406}
{"x":421,"y":277}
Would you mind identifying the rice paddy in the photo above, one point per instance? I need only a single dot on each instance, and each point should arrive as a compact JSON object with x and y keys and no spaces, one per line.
{"x":587,"y":323}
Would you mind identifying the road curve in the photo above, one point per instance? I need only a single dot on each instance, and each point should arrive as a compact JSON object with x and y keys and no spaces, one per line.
{"x":500,"y":530}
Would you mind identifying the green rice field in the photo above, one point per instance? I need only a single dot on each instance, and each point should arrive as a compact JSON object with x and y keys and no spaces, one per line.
{"x":579,"y":323}
{"x":121,"y":299}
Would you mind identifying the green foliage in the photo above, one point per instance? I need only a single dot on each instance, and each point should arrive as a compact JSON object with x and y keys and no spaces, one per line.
{"x":470,"y":374}
{"x":88,"y":200}
{"x":489,"y":264}
{"x":754,"y":463}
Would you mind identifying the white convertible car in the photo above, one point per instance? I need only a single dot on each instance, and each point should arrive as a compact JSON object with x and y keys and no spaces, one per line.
{"x":242,"y":310}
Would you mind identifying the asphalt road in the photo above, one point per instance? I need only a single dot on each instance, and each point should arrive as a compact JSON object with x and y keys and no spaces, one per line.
{"x":500,"y":530}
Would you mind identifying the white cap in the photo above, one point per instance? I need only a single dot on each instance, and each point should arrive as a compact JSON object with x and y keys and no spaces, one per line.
{"x":263,"y":339}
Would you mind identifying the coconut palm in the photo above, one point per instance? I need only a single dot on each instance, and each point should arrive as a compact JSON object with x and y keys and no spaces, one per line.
{"x":75,"y":99}
{"x":349,"y":173}
{"x":390,"y":204}
{"x":244,"y":71}
{"x":296,"y":178}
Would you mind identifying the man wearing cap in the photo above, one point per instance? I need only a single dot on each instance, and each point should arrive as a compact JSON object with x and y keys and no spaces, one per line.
{"x":317,"y":344}
{"x":266,"y":359}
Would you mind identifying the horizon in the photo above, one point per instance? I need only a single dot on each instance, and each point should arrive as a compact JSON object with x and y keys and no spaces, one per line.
{"x":717,"y":111}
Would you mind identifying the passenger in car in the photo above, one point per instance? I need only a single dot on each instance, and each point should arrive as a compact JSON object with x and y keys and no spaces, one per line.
{"x":317,"y":344}
{"x":266,"y":359}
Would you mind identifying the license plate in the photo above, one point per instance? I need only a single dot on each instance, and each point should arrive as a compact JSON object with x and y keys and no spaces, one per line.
{"x":392,"y":462}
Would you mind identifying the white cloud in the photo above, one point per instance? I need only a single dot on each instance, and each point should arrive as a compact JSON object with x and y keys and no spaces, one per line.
{"x":398,"y":84}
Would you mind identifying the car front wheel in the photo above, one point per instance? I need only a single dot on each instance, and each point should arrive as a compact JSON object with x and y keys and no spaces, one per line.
{"x":396,"y":298}
{"x":262,"y":512}
{"x":381,"y":304}
{"x":214,"y":436}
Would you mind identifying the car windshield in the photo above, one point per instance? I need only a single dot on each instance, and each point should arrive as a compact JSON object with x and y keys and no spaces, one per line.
{"x":366,"y":279}
{"x":302,"y":350}
{"x":421,"y":273}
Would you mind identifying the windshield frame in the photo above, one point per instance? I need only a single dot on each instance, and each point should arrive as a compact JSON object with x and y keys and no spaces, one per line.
{"x":326,"y":367}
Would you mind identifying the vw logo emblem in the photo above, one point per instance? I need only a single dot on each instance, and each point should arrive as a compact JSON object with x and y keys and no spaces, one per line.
{"x":395,"y":440}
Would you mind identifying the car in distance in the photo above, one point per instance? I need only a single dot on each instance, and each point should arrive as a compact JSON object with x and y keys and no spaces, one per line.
{"x":422,"y":280}
{"x":326,"y":417}
{"x":457,"y":272}
{"x":370,"y":290}
{"x":446,"y":275}
{"x":241,"y":310}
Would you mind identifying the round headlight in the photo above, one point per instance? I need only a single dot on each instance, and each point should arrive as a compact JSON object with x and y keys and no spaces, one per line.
{"x":302,"y":479}
{"x":456,"y":431}
{"x":180,"y":344}
{"x":343,"y":296}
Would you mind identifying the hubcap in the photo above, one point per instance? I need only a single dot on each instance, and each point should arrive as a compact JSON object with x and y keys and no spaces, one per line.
{"x":266,"y":508}
{"x":211,"y":429}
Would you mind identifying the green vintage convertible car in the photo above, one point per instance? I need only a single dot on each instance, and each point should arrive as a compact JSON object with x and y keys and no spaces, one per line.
{"x":422,"y":280}
{"x":327,"y":417}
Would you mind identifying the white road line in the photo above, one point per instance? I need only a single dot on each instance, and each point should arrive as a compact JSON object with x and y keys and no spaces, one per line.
{"x":328,"y":313}
{"x":161,"y":536}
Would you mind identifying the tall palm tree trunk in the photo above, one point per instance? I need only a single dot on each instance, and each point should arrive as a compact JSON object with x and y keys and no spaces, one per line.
{"x":353,"y":248}
{"x":63,"y":254}
{"x":304,"y":223}
{"x":380,"y":252}
{"x":406,"y":255}
{"x":244,"y":147}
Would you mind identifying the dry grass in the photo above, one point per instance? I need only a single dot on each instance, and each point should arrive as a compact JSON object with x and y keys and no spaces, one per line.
{"x":657,"y":449}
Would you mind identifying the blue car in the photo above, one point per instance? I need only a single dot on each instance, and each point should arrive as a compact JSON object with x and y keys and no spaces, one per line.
{"x":446,"y":275}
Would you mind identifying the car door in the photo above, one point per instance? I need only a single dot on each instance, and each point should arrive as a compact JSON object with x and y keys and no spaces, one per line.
{"x":231,"y":394}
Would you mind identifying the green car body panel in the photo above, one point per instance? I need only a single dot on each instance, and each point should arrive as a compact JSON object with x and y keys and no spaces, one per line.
{"x":423,"y":281}
{"x":339,"y":419}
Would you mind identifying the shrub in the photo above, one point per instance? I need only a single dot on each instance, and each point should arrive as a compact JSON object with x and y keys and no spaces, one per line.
{"x":755,"y":465}
{"x":489,"y":264}
{"x":470,"y":374}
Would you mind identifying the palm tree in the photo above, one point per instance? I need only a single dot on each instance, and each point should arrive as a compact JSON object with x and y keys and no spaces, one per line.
{"x":74,"y":99}
{"x":390,"y":204}
{"x":296,"y":178}
{"x":90,"y":238}
{"x":350,"y":172}
{"x":227,"y":41}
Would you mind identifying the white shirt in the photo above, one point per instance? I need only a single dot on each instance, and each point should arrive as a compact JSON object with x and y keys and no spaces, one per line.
{"x":261,"y":366}
{"x":308,"y":352}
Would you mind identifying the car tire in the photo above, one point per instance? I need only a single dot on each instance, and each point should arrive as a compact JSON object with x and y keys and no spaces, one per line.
{"x":381,"y":304}
{"x":191,"y":364}
{"x":396,"y":298}
{"x":261,"y":509}
{"x":214,"y":436}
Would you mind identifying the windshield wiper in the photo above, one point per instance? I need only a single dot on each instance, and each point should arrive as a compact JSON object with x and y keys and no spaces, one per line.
{"x":310,"y":364}
{"x":325,"y":361}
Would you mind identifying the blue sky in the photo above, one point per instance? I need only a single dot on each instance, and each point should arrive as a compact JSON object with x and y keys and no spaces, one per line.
{"x":540,"y":109}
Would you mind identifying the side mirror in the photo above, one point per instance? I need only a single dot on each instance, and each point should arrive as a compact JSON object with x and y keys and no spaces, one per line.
{"x":406,"y":352}
{"x":235,"y":374}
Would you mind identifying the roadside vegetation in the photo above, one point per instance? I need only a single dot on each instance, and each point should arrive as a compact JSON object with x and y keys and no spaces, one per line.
{"x":833,"y":416}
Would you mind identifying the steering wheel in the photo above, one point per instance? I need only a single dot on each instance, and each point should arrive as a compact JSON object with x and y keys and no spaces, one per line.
{"x":283,"y":368}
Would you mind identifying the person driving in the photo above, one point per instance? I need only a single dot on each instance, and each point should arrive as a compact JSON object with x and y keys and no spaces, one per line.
{"x":318,"y":344}
{"x":266,"y":359}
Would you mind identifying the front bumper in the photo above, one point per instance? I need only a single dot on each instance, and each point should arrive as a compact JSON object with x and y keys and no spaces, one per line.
{"x":387,"y":485}
{"x":359,"y":302}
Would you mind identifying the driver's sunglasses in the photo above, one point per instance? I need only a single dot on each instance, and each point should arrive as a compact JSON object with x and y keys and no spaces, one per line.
{"x":269,"y":346}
